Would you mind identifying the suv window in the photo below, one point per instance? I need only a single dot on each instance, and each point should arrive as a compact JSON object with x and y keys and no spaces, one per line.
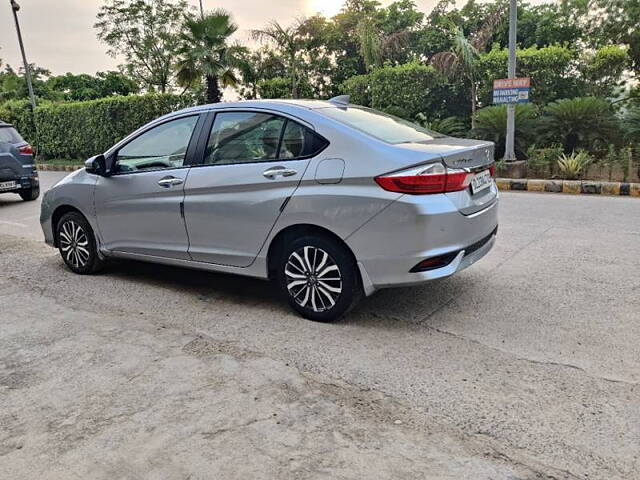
{"x":243,"y":137}
{"x":299,"y":142}
{"x":10,"y":135}
{"x":164,"y":146}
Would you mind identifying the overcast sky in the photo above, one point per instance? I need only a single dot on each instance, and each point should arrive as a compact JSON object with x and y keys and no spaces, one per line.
{"x":59,"y":34}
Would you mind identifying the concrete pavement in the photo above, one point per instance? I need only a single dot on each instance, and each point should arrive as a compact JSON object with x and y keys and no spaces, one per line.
{"x":525,"y":366}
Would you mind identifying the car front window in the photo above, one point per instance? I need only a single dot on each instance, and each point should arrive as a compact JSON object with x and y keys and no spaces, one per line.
{"x":385,"y":127}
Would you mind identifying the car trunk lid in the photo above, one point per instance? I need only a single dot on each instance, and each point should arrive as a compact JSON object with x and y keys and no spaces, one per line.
{"x":475,"y":156}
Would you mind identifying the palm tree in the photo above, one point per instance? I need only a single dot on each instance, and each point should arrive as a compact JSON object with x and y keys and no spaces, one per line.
{"x":289,"y":41}
{"x":205,"y":53}
{"x":461,"y":59}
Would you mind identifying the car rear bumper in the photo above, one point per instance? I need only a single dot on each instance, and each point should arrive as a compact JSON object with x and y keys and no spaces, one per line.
{"x":414,"y":229}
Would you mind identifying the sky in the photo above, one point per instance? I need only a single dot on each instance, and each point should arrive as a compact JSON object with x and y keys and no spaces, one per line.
{"x":59,"y":34}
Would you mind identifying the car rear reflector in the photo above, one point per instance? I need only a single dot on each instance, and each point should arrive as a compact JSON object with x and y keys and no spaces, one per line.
{"x":434,"y":263}
{"x":26,"y":150}
{"x":425,"y":179}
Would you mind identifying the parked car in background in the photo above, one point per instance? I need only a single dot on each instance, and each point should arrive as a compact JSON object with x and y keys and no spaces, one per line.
{"x":329,"y":200}
{"x":18,"y":173}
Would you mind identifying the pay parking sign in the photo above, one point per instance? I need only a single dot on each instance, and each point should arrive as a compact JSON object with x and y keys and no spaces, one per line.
{"x":511,"y":90}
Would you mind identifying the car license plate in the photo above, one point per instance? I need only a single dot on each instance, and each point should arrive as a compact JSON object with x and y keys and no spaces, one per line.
{"x":4,"y":186}
{"x":481,"y":181}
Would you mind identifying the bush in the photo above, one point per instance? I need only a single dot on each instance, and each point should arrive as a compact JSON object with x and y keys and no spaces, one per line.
{"x":406,"y":91}
{"x":84,"y":129}
{"x":451,"y":126}
{"x":491,"y":124}
{"x":18,"y":113}
{"x":359,"y":89}
{"x":280,"y":87}
{"x":541,"y":162}
{"x":580,"y":123}
{"x":575,"y":165}
{"x":552,"y":72}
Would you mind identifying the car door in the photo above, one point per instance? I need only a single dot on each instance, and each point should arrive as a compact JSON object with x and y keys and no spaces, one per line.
{"x":253,"y":162}
{"x":139,"y":207}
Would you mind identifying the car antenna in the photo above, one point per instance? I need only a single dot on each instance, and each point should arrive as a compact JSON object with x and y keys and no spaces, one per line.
{"x":341,"y":100}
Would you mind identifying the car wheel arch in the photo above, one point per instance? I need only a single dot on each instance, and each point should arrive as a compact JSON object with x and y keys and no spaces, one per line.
{"x":279,"y":241}
{"x":57,"y":214}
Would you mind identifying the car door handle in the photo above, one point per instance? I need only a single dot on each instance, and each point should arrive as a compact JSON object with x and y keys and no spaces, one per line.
{"x":274,"y":172}
{"x":168,"y":182}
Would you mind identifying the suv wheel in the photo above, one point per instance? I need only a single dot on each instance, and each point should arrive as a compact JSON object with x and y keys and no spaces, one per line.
{"x":319,"y":278}
{"x":29,"y":194}
{"x":77,"y":244}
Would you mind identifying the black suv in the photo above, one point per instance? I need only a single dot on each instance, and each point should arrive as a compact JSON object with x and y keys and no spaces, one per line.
{"x":18,"y":172}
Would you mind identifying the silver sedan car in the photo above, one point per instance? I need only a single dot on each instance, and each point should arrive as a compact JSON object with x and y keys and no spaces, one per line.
{"x":330,"y":200}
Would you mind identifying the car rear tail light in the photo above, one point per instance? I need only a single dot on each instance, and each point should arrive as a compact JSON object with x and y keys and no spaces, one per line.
{"x":434,"y":263}
{"x":26,"y":150}
{"x":492,"y":169}
{"x":425,"y":179}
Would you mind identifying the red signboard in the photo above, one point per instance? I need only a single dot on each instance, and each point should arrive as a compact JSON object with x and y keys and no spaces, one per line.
{"x":524,"y":82}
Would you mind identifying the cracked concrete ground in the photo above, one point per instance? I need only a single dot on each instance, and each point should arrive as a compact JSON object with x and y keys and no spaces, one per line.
{"x":524,"y":366}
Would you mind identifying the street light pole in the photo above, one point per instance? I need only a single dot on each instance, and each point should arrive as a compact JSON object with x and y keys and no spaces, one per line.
{"x":201,"y":9}
{"x":510,"y":154}
{"x":27,"y":69}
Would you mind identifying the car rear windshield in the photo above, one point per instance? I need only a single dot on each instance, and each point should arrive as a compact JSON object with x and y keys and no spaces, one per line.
{"x":10,"y":135}
{"x":385,"y":127}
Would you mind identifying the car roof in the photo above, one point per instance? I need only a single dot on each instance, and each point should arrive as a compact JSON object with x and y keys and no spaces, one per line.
{"x":279,"y":103}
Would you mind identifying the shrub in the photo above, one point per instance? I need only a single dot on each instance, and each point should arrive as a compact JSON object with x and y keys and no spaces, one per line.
{"x":575,"y":165}
{"x":585,"y":122}
{"x":18,"y":113}
{"x":280,"y":87}
{"x":407,"y":90}
{"x":491,"y":124}
{"x":552,"y":72}
{"x":359,"y":89}
{"x":451,"y":126}
{"x":631,"y":124}
{"x":541,"y":162}
{"x":83,"y":129}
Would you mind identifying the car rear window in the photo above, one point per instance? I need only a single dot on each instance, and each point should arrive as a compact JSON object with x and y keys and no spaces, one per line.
{"x":385,"y":127}
{"x":10,"y":135}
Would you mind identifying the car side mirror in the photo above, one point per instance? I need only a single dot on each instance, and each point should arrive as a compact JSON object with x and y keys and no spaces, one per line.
{"x":96,"y":165}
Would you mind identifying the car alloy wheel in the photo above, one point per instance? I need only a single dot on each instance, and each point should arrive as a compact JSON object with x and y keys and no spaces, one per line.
{"x":313,"y":279}
{"x":74,"y":244}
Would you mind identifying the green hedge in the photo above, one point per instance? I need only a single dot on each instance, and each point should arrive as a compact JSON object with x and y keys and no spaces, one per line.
{"x":406,"y":91}
{"x":18,"y":113}
{"x":83,"y":129}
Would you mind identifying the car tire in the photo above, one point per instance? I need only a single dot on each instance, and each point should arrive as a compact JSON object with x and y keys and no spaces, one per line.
{"x":30,"y":194}
{"x":319,"y":278}
{"x":77,"y":244}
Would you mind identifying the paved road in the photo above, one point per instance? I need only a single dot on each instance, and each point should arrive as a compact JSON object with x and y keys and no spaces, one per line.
{"x":527,"y":365}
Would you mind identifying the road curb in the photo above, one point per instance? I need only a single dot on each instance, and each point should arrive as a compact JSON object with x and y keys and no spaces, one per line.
{"x":573,"y":187}
{"x":58,"y":168}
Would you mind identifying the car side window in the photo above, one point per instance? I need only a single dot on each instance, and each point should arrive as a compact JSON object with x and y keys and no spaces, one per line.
{"x":243,"y":137}
{"x":164,"y":146}
{"x":300,"y":142}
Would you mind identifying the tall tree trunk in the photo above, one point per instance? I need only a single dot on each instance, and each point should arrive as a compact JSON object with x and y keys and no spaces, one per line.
{"x":213,"y":90}
{"x":473,"y":104}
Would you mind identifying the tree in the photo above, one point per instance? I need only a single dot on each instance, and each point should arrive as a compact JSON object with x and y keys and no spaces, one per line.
{"x":205,"y":53}
{"x":257,"y":66}
{"x":87,"y":87}
{"x":147,"y":34}
{"x":289,"y":42}
{"x":583,"y":122}
{"x":616,"y":21}
{"x":463,"y":56}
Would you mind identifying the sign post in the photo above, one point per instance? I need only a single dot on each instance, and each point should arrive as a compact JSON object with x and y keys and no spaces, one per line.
{"x":510,"y":153}
{"x":511,"y":90}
